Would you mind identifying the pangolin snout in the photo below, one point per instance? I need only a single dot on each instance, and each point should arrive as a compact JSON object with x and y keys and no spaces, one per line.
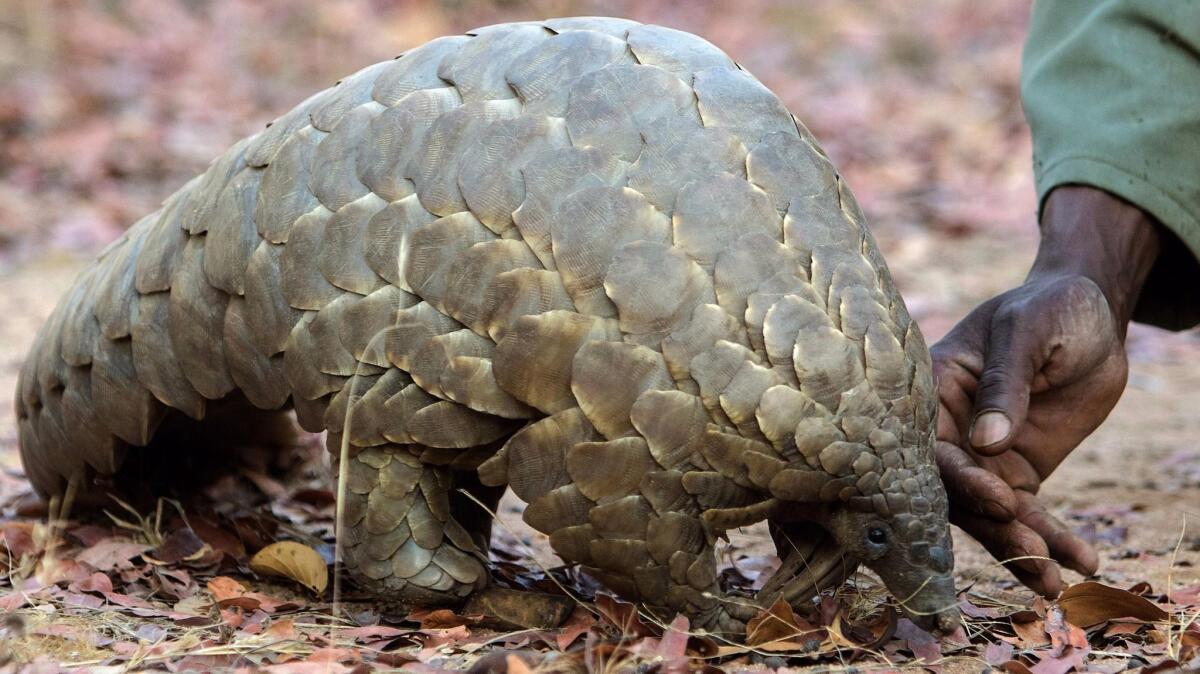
{"x":942,"y":624}
{"x":934,"y":607}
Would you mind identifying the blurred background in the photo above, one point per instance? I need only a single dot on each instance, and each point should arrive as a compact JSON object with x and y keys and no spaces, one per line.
{"x":108,"y":106}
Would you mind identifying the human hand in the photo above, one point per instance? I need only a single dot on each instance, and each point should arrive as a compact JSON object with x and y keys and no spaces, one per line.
{"x":1027,"y":375}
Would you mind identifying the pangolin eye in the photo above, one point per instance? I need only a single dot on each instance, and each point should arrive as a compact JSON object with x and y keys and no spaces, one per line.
{"x":877,"y":535}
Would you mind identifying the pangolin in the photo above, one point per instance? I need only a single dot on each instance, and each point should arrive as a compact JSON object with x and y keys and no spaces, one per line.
{"x":591,"y":260}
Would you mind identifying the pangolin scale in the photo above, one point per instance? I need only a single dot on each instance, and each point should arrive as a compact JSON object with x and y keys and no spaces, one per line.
{"x":592,"y":260}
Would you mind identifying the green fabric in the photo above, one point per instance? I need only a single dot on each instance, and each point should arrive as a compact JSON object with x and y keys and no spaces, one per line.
{"x":1111,"y":89}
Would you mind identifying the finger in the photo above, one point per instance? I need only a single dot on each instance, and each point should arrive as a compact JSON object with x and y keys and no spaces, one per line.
{"x":956,"y":365}
{"x":1002,"y":397}
{"x":1065,"y":546}
{"x":1022,"y":551}
{"x":972,"y":488}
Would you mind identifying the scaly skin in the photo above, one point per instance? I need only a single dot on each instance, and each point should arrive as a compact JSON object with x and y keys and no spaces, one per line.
{"x":590,"y":260}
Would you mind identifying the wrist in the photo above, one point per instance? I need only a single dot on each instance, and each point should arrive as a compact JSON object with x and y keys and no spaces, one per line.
{"x":1089,"y":232}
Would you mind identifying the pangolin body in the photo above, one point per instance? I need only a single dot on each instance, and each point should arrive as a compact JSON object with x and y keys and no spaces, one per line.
{"x":589,"y":259}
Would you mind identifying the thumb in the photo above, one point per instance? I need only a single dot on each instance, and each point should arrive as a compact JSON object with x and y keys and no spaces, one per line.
{"x":1002,"y":396}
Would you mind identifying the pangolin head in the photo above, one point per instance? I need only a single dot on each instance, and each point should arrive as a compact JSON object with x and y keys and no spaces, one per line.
{"x":867,"y":474}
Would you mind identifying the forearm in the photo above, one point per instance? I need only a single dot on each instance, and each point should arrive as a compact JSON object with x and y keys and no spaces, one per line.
{"x":1089,"y":232}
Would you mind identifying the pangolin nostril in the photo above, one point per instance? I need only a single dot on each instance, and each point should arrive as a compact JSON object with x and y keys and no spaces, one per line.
{"x":940,"y":559}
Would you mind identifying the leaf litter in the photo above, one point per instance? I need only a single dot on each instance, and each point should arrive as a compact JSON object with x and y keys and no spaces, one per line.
{"x":206,"y":597}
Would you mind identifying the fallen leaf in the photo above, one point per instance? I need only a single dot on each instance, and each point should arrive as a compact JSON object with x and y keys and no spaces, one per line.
{"x":1143,"y":589}
{"x":218,"y":538}
{"x":922,"y":644}
{"x":282,"y":630}
{"x":780,"y":623}
{"x":970,"y":610}
{"x":371,"y":632}
{"x":97,"y":582}
{"x":996,"y":654}
{"x":674,"y":641}
{"x":1090,"y":603}
{"x":441,"y":618}
{"x":111,"y":553}
{"x":224,"y":588}
{"x":181,"y":545}
{"x":872,"y":633}
{"x":622,"y":615}
{"x":578,"y":623}
{"x":293,"y":560}
{"x":1168,"y":665}
{"x":435,"y":639}
{"x":18,"y":539}
{"x":1049,"y":663}
{"x":1063,"y":635}
{"x":1186,"y":596}
{"x":516,"y":664}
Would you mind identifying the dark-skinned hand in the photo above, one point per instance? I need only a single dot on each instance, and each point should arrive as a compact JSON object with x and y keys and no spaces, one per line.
{"x":1030,"y":373}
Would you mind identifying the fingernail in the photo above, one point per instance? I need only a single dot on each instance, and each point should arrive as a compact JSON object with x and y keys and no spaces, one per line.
{"x":990,"y":428}
{"x":996,"y":511}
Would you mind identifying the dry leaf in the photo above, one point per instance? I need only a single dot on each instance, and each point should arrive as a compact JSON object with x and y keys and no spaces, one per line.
{"x":224,"y":588}
{"x":622,"y":615}
{"x":780,"y":623}
{"x":996,"y":654}
{"x":673,"y":645}
{"x":293,"y":560}
{"x":181,"y":545}
{"x":516,"y":665}
{"x":1090,"y":603}
{"x":1031,"y":634}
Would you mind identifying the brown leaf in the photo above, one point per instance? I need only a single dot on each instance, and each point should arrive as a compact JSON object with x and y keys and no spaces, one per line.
{"x":873,"y":632}
{"x":1165,"y":666}
{"x":372,"y":632}
{"x":1142,"y":589}
{"x":1090,"y":603}
{"x":673,"y":644}
{"x":622,"y":615}
{"x":922,"y":644}
{"x":517,"y":665}
{"x":996,"y":654}
{"x":1063,"y":635}
{"x":1015,"y":667}
{"x":1050,"y":663}
{"x":218,"y":538}
{"x":17,"y":538}
{"x":436,"y":639}
{"x":577,"y":624}
{"x":1031,"y":633}
{"x":224,"y":588}
{"x":97,"y":582}
{"x":293,"y":560}
{"x":441,"y":618}
{"x":181,"y":545}
{"x":970,"y":610}
{"x":255,"y":530}
{"x":780,"y":623}
{"x":111,"y":553}
{"x":1187,"y":596}
{"x":1120,"y":629}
